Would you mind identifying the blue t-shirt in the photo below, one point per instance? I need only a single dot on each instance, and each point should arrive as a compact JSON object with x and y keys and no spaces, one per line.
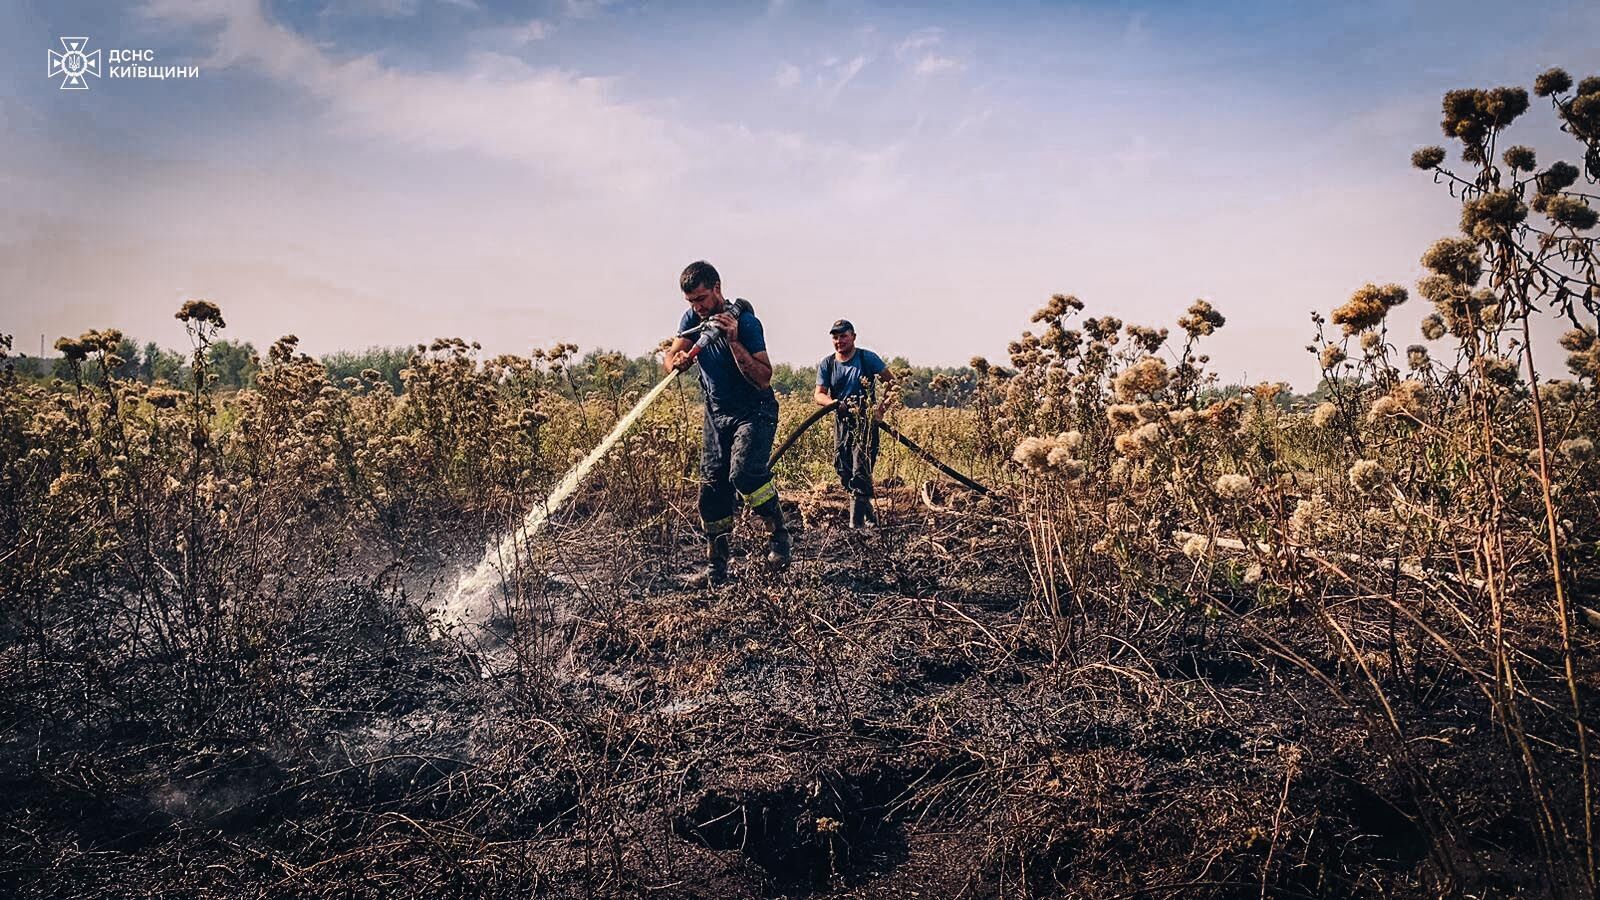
{"x":843,"y":379}
{"x":727,"y":391}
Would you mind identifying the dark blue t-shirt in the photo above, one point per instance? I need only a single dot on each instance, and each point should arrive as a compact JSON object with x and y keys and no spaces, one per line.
{"x":843,"y":379}
{"x":727,"y":391}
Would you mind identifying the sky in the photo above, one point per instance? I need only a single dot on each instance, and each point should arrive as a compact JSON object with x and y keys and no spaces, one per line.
{"x":380,"y":172}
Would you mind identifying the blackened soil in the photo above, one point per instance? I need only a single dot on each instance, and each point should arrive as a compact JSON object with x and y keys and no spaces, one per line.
{"x":892,"y":717}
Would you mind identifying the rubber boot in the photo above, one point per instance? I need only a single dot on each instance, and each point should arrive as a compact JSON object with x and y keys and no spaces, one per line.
{"x":861,"y":514}
{"x":782,"y":544}
{"x":716,"y":570}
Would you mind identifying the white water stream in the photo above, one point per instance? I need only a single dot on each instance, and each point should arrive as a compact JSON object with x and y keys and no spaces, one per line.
{"x":472,"y":601}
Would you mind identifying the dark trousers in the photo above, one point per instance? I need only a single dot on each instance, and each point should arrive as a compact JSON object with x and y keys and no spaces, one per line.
{"x":734,"y":456}
{"x":855,"y":451}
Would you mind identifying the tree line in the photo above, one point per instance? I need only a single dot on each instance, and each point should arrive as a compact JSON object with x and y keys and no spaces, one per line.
{"x":236,"y":363}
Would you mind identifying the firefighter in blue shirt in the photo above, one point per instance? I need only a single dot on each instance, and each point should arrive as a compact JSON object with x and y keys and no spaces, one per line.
{"x":850,"y":375}
{"x":741,"y":416}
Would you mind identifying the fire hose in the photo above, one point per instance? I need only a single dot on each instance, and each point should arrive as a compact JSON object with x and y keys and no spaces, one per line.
{"x":908,"y":443}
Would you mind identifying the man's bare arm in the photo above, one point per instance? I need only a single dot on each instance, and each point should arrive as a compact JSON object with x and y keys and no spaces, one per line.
{"x":674,"y":355}
{"x":822,"y":397}
{"x":755,"y":367}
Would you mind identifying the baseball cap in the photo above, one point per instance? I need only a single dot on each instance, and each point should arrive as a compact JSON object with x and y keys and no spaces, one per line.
{"x":842,"y":326}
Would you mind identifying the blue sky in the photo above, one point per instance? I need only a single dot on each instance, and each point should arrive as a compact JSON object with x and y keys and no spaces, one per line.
{"x":364,"y":172}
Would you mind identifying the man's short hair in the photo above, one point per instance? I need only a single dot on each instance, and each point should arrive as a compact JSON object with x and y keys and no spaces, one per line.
{"x":699,"y":274}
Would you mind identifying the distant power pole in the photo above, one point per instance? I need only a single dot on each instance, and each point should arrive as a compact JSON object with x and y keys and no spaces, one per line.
{"x":41,"y":346}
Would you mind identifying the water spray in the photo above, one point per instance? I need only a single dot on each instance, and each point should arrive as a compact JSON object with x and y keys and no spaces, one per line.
{"x":471,"y":597}
{"x":470,"y":601}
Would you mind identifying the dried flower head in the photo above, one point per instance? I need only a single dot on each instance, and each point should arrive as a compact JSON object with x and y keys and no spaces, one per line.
{"x":72,"y":350}
{"x":1325,"y":415}
{"x":1417,"y":357}
{"x":1497,"y":369}
{"x":1234,"y":487}
{"x":1382,"y":408}
{"x":202,"y":311}
{"x":1142,"y":379}
{"x":1562,"y":391}
{"x":1471,"y":114}
{"x":1552,"y":81}
{"x":1197,"y":547}
{"x":1455,"y":258}
{"x":1519,"y":158}
{"x":1152,"y":412}
{"x":1433,"y":327}
{"x":1427,"y":157}
{"x":1033,"y":453}
{"x":1147,"y":339}
{"x":1059,"y":305}
{"x":1122,"y":416}
{"x":1571,"y":212}
{"x":1578,"y":449}
{"x":1366,"y":475}
{"x":1412,"y":396}
{"x":1223,"y":414}
{"x":1331,"y":356}
{"x":1140,"y":441}
{"x":1578,"y":340}
{"x":1201,"y":319}
{"x":1492,"y":216}
{"x":1309,"y":521}
{"x":1560,"y":176}
{"x":1371,"y":341}
{"x":1585,"y":364}
{"x":1104,"y":328}
{"x":164,"y":398}
{"x":1367,"y":307}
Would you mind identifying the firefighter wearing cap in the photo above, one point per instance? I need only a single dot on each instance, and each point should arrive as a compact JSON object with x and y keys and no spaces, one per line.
{"x":741,"y":417}
{"x":850,"y":375}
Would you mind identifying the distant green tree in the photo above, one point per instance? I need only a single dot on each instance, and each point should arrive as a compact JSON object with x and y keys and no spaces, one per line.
{"x":157,"y":364}
{"x":388,"y":361}
{"x":234,"y":363}
{"x":793,"y":380}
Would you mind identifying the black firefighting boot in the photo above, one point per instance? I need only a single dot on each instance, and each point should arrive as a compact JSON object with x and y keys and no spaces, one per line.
{"x":716,"y":570}
{"x":782,"y":544}
{"x":861,"y":514}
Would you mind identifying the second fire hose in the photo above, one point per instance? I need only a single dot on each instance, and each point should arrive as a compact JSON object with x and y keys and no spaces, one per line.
{"x":908,"y":443}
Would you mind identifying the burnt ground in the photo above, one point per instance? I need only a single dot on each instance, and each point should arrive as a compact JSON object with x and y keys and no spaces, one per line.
{"x":892,"y":717}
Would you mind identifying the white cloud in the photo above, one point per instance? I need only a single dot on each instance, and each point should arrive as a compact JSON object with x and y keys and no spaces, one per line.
{"x":921,"y":49}
{"x":561,"y":122}
{"x":570,"y":129}
{"x":528,"y":32}
{"x":584,"y":9}
{"x":788,"y":75}
{"x":838,"y":74}
{"x":921,"y":39}
{"x":934,"y":65}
